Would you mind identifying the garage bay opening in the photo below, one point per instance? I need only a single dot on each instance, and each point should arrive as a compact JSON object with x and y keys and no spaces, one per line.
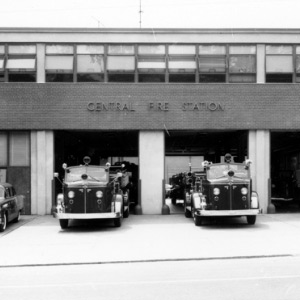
{"x":186,"y":150}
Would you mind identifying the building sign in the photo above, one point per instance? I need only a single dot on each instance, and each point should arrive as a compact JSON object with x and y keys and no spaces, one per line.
{"x":155,"y":106}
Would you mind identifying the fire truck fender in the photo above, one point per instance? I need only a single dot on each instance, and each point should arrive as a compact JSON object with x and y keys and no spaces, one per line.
{"x":196,"y":200}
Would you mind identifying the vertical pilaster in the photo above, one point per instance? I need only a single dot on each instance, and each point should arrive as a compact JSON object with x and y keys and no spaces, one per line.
{"x":261,"y":63}
{"x":151,"y":164}
{"x":259,"y":153}
{"x":40,"y":64}
{"x":42,"y":162}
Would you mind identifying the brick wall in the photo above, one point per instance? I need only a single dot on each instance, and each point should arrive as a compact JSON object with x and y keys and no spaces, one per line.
{"x":149,"y":106}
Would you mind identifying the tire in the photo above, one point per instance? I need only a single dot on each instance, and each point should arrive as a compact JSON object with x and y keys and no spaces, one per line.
{"x":17,"y":219}
{"x":64,"y":223}
{"x":187,"y":213}
{"x":118,"y":222}
{"x":4,"y":224}
{"x":251,"y":220}
{"x":198,"y":220}
{"x":126,"y":213}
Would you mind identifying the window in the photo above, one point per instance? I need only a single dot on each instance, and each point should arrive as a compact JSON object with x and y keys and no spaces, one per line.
{"x":19,"y":149}
{"x":242,"y":64}
{"x":298,"y":64}
{"x":3,"y":149}
{"x":279,"y":64}
{"x":90,"y":63}
{"x":2,"y":63}
{"x":151,"y":63}
{"x":21,"y":63}
{"x":212,"y":63}
{"x":59,"y":63}
{"x":182,"y":63}
{"x":121,"y":63}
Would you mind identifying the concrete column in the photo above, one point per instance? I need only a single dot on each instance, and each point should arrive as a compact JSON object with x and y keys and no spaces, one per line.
{"x":151,"y":170}
{"x":40,"y":63}
{"x":259,"y":153}
{"x":261,"y":63}
{"x":42,"y":164}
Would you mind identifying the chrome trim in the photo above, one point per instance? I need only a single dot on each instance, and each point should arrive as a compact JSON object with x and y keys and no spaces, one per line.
{"x":87,"y":216}
{"x":227,"y":213}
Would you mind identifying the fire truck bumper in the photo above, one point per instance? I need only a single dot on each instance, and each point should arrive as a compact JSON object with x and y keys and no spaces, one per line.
{"x":228,"y":213}
{"x":86,"y":216}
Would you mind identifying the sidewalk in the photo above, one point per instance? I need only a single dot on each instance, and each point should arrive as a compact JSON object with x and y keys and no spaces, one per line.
{"x":39,"y":239}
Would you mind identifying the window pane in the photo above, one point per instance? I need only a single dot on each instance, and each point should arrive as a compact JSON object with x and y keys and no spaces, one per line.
{"x":242,"y":50}
{"x":298,"y":64}
{"x":19,"y":149}
{"x":279,"y":78}
{"x":120,"y":49}
{"x":3,"y":149}
{"x":151,"y":77}
{"x":212,"y":78}
{"x":56,"y":77}
{"x":212,"y":64}
{"x":212,"y":49}
{"x":22,"y":49}
{"x":90,"y":49}
{"x":90,"y":64}
{"x":152,"y":49}
{"x":282,"y":64}
{"x":24,"y":64}
{"x":94,"y":77}
{"x":121,"y":77}
{"x":115,"y":63}
{"x":59,"y":49}
{"x":2,"y":49}
{"x":242,"y":64}
{"x":151,"y":63}
{"x":2,"y":64}
{"x":279,"y":49}
{"x":184,"y":78}
{"x":242,"y":78}
{"x":21,"y":77}
{"x":182,"y":49}
{"x":184,"y":65}
{"x":59,"y":63}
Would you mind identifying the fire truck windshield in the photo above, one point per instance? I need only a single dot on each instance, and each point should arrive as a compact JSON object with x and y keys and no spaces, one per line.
{"x":221,"y":170}
{"x":93,"y":173}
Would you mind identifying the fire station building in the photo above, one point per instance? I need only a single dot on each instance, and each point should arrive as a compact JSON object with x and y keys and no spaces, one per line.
{"x":159,"y":99}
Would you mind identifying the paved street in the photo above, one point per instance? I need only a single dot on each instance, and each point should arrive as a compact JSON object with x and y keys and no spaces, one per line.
{"x":152,"y":257}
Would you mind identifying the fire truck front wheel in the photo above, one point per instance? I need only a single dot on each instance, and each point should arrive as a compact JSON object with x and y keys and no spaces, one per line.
{"x":64,"y":223}
{"x":251,"y":220}
{"x":118,"y":222}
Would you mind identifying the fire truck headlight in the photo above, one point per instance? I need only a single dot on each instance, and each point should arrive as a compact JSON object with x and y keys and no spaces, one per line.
{"x":254,"y":200}
{"x":99,"y":194}
{"x":71,"y":194}
{"x":216,"y":191}
{"x":244,"y":191}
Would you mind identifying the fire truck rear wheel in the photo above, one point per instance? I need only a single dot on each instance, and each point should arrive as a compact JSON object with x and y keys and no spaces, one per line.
{"x":64,"y":223}
{"x":251,"y":220}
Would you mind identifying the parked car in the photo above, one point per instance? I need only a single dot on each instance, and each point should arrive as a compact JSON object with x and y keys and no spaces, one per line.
{"x":11,"y":205}
{"x":222,"y":190}
{"x":92,"y":192}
